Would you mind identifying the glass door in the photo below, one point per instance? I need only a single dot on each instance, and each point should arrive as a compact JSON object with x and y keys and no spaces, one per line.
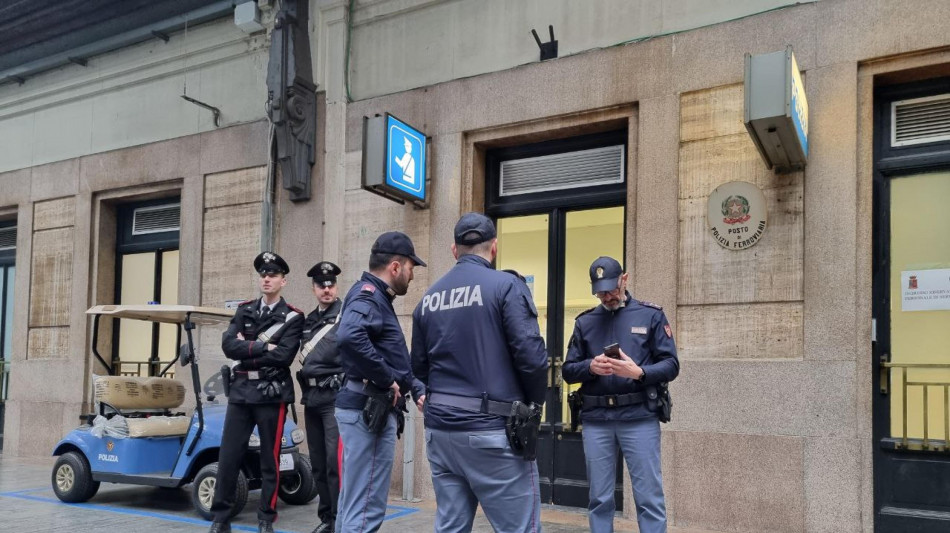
{"x":553,"y":251}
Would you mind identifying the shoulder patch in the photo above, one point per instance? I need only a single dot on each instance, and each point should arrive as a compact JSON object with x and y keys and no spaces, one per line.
{"x":368,"y":288}
{"x":582,"y":313}
{"x":651,"y":304}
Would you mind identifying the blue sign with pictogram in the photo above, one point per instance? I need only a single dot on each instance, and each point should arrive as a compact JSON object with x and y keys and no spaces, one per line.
{"x":394,"y":159}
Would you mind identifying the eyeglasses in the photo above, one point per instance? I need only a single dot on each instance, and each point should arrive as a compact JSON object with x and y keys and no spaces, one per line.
{"x":605,"y":294}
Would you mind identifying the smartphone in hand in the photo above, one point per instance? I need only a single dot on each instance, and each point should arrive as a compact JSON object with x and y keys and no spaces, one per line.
{"x":612,"y":351}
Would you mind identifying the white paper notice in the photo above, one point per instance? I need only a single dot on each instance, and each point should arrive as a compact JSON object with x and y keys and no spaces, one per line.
{"x":925,"y":290}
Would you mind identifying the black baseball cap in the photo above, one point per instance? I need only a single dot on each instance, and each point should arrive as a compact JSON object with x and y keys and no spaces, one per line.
{"x":605,"y":274}
{"x":396,"y":242}
{"x":324,"y":273}
{"x":267,"y":262}
{"x":474,"y":228}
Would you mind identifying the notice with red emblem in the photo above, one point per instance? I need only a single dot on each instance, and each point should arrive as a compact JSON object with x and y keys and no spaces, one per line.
{"x":925,"y":290}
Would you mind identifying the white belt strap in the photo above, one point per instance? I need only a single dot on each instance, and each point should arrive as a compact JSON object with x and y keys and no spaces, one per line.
{"x":312,"y":343}
{"x":269,"y":334}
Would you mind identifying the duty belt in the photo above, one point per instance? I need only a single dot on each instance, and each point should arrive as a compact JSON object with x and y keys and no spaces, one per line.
{"x":614,"y":400}
{"x":477,"y":405}
{"x":365,"y":389}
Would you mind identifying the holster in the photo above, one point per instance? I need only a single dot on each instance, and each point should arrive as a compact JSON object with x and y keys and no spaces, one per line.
{"x":521,"y":428}
{"x":575,"y":401}
{"x":659,"y":401}
{"x":226,"y":379}
{"x":400,"y":411}
{"x":377,"y":409}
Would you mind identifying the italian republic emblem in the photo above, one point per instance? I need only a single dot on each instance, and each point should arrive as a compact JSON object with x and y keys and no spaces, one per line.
{"x":736,"y":215}
{"x":735,"y":209}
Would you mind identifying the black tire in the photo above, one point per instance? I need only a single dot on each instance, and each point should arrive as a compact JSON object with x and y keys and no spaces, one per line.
{"x":298,"y":487}
{"x":202,"y":491}
{"x":72,"y":478}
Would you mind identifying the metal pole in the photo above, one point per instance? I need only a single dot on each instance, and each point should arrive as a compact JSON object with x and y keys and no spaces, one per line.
{"x":408,"y":447}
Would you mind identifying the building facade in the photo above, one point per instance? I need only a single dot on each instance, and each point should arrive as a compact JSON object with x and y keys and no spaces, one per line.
{"x":811,"y":395}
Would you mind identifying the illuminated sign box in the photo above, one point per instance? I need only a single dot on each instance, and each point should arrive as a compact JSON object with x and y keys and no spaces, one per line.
{"x":776,"y":111}
{"x":394,"y":160}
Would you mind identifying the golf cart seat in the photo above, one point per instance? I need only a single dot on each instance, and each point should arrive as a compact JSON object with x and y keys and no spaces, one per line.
{"x":145,"y":403}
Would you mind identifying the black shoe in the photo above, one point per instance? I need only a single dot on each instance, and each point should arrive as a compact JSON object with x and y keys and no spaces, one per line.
{"x":220,"y":527}
{"x":325,"y":527}
{"x":265,"y":527}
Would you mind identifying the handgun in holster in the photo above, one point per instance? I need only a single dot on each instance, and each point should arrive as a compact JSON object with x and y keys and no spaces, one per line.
{"x":377,"y":409}
{"x":575,"y":401}
{"x":522,"y":427}
{"x":400,"y":411}
{"x":226,"y":379}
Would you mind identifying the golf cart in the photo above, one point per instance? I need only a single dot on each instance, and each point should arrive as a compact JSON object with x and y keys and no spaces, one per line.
{"x":135,"y":437}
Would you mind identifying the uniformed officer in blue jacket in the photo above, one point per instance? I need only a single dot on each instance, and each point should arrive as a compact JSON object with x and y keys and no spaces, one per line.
{"x":477,"y":347}
{"x":376,"y":360}
{"x":619,"y":394}
{"x":261,"y":341}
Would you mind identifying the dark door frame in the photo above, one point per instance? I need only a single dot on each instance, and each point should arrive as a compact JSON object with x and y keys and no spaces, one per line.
{"x":127,"y":243}
{"x":890,"y":465}
{"x":556,"y":204}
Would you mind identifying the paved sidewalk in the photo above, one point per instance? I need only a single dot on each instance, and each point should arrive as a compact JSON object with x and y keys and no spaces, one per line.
{"x":27,"y":504}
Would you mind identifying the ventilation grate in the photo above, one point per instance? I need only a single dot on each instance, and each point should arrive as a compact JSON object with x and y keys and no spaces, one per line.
{"x":156,"y":219}
{"x":920,"y":120}
{"x":568,"y":170}
{"x":8,"y":238}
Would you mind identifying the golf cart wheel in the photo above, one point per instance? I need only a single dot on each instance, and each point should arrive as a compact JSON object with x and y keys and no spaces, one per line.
{"x":298,"y":487}
{"x":72,"y":478}
{"x":202,"y":491}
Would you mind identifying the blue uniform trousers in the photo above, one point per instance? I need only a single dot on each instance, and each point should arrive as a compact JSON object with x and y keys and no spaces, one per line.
{"x":471,"y":468}
{"x":639,"y":440}
{"x":367,"y":468}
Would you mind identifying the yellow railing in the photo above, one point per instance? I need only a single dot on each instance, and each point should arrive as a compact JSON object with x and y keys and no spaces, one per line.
{"x":140,"y":368}
{"x":890,"y":372}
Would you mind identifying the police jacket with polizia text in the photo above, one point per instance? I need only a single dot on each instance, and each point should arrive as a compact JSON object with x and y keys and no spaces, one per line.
{"x":323,"y":359}
{"x":280,"y":327}
{"x":644,"y":335}
{"x":371,"y":343}
{"x":475,"y":332}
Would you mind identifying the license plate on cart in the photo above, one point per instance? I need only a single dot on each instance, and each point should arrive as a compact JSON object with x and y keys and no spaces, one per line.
{"x":286,"y":461}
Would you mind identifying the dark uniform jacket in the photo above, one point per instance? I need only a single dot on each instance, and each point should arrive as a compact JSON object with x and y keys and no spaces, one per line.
{"x":476,"y":332}
{"x":371,"y":343}
{"x":252,"y":352}
{"x":644,"y":335}
{"x":324,"y":360}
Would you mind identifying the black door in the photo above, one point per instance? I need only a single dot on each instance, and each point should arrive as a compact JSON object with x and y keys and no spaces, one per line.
{"x":912,"y":309}
{"x":7,"y":272}
{"x":550,"y":235}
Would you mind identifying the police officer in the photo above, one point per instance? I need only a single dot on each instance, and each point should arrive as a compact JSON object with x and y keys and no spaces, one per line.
{"x":376,"y":361}
{"x":320,"y":379}
{"x":477,"y":347}
{"x":620,"y":394}
{"x":261,"y":340}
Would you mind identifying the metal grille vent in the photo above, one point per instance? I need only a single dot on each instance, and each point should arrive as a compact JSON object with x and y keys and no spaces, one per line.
{"x":156,"y":219}
{"x":8,"y":238}
{"x":568,"y":170}
{"x":920,"y":120}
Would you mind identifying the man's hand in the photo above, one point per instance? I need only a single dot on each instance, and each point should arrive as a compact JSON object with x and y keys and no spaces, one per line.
{"x":601,"y":365}
{"x":240,"y":336}
{"x":625,"y":367}
{"x":420,"y":401}
{"x":395,"y":388}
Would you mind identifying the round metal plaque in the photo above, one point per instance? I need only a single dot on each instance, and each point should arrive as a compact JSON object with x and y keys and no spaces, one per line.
{"x":736,"y":215}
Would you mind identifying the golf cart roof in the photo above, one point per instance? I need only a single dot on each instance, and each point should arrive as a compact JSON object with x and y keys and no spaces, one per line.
{"x":169,"y":314}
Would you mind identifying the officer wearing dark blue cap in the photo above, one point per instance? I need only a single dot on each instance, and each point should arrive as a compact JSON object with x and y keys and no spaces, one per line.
{"x":376,"y":361}
{"x":320,"y":378}
{"x":261,"y":340}
{"x":477,"y":347}
{"x":622,"y":352}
